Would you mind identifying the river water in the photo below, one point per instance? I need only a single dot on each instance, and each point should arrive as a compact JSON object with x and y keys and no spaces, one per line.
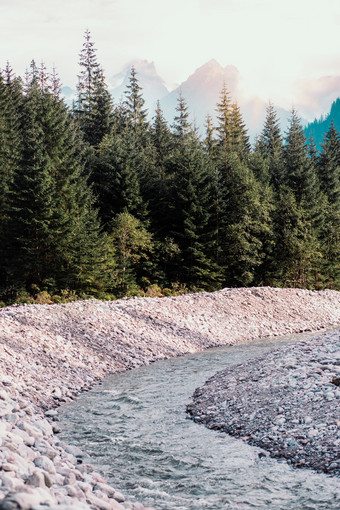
{"x":135,"y":429}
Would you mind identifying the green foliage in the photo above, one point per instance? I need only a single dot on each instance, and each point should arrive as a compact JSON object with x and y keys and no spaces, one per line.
{"x":98,"y":202}
{"x":132,"y":245}
{"x":93,"y":108}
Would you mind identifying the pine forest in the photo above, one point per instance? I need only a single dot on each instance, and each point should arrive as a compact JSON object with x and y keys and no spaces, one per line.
{"x":99,"y":201}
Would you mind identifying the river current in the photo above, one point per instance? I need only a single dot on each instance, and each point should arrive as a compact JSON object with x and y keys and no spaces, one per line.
{"x":137,"y":434}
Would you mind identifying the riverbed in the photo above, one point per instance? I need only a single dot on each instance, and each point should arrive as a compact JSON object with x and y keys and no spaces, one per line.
{"x":136,"y":432}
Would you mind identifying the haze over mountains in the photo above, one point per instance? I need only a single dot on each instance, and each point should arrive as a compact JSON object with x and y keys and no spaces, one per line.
{"x":202,"y":88}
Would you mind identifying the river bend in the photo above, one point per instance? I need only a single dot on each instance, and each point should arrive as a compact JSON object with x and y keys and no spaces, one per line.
{"x":135,"y":429}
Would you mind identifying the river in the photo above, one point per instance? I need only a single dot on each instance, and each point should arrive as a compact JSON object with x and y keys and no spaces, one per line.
{"x":135,"y":429}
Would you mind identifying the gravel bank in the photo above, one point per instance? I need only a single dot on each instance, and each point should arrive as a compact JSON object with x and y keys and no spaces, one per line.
{"x":50,"y":353}
{"x":287,"y":402}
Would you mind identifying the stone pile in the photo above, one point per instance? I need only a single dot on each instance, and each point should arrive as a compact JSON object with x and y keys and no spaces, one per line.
{"x":39,"y":472}
{"x":287,"y":402}
{"x":50,"y":353}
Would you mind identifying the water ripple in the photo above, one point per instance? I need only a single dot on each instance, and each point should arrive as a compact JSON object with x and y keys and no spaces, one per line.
{"x":135,"y":430}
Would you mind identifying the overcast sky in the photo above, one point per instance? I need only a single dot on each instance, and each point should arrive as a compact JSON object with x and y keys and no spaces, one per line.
{"x":273,"y":43}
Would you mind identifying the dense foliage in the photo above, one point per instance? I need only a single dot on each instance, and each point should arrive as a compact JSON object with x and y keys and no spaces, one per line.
{"x":318,"y":127}
{"x":98,"y":201}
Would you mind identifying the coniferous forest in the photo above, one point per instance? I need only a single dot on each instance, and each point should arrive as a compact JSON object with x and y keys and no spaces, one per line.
{"x":96,"y":200}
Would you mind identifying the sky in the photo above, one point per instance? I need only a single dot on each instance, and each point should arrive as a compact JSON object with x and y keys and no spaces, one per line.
{"x":285,"y":50}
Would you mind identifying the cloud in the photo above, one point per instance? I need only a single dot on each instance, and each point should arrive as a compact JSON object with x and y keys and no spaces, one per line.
{"x":315,"y":96}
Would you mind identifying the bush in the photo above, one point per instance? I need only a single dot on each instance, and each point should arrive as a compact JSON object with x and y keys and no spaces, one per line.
{"x":154,"y":291}
{"x":43,"y":298}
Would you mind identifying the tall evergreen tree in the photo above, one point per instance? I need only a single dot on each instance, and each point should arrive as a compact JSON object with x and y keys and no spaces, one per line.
{"x":181,"y":125}
{"x":329,"y":175}
{"x":94,"y":105}
{"x":11,"y":98}
{"x":299,"y":173}
{"x":297,"y":250}
{"x":223,"y":113}
{"x":329,"y":165}
{"x":55,"y":235}
{"x":270,"y":145}
{"x":194,"y":228}
{"x":299,"y":225}
{"x":238,"y":136}
{"x":245,"y":226}
{"x":118,"y":168}
{"x":134,"y":105}
{"x":160,"y":176}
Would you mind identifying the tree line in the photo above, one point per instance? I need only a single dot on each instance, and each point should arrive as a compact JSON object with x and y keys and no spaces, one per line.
{"x":96,"y":200}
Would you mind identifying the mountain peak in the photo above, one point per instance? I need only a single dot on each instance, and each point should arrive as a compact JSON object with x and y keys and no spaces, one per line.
{"x":211,"y":64}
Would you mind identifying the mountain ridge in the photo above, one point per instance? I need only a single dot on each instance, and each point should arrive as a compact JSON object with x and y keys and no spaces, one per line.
{"x":319,"y":127}
{"x":201,"y":90}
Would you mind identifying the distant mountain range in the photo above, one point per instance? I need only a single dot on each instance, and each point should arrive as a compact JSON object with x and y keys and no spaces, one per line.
{"x":319,"y":127}
{"x":201,"y":91}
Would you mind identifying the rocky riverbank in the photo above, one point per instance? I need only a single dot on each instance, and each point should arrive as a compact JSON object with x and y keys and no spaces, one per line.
{"x":287,"y":402}
{"x":50,"y":353}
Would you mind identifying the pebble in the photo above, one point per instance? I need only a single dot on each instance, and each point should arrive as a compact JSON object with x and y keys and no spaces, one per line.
{"x":306,"y":422}
{"x":50,"y":353}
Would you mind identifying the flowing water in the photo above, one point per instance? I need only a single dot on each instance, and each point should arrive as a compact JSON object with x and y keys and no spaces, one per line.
{"x":136,"y":431}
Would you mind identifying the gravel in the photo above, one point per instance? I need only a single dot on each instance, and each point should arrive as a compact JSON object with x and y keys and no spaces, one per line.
{"x":51,"y":353}
{"x":287,"y":402}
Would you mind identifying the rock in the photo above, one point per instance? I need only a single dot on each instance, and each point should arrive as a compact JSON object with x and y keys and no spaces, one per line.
{"x":304,"y":429}
{"x":44,"y":426}
{"x":45,"y":464}
{"x":65,"y":349}
{"x":26,"y":499}
{"x":36,"y":479}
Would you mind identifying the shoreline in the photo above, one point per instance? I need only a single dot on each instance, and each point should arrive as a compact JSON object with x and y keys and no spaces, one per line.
{"x":51,"y":353}
{"x":286,"y":402}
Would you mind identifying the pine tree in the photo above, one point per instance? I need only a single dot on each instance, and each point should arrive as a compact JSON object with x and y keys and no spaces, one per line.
{"x":328,"y":168}
{"x":245,"y":230}
{"x":118,"y":168}
{"x":270,"y":145}
{"x":11,"y":98}
{"x":211,"y":150}
{"x":298,"y":173}
{"x":94,"y":104}
{"x":194,"y":228}
{"x":160,"y":177}
{"x":297,"y":250}
{"x":299,"y":223}
{"x":55,"y":235}
{"x":181,"y":126}
{"x":329,"y":165}
{"x":223,"y":113}
{"x":238,"y":136}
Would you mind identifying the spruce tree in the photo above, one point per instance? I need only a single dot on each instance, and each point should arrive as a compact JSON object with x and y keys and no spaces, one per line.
{"x":94,"y":105}
{"x":298,"y":225}
{"x":160,"y":176}
{"x":194,"y":227}
{"x":329,"y":175}
{"x":329,"y":165}
{"x":245,"y":226}
{"x":118,"y":168}
{"x":134,"y":102}
{"x":270,"y":145}
{"x":299,"y":173}
{"x":11,"y":98}
{"x":297,"y":249}
{"x":55,"y":235}
{"x":238,"y":136}
{"x":223,"y":113}
{"x":181,"y":126}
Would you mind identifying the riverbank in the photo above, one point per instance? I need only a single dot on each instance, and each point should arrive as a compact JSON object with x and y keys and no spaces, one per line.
{"x":50,"y":353}
{"x":287,"y":402}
